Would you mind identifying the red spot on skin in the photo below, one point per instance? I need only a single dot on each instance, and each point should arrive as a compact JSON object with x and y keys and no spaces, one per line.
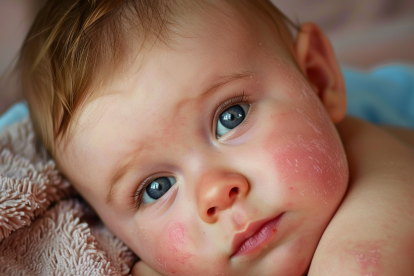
{"x":177,"y":244}
{"x":309,"y":155}
{"x":176,"y":234}
{"x":172,"y":253}
{"x":274,"y":230}
{"x":368,"y":257}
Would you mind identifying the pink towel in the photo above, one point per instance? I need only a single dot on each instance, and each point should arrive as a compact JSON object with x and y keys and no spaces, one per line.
{"x":45,"y":228}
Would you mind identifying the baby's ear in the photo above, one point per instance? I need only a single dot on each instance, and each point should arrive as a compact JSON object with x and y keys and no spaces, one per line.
{"x":317,"y":61}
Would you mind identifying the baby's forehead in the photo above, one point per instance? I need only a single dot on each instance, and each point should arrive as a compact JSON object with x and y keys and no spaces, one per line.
{"x":177,"y":20}
{"x":187,"y":26}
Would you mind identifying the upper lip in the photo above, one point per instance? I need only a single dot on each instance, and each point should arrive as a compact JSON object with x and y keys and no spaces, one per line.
{"x":252,"y":228}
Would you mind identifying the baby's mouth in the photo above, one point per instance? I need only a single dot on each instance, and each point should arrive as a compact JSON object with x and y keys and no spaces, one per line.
{"x":256,"y":237}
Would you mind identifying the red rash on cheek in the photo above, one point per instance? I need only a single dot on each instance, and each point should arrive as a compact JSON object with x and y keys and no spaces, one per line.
{"x":304,"y":164}
{"x":172,"y":252}
{"x":306,"y":154}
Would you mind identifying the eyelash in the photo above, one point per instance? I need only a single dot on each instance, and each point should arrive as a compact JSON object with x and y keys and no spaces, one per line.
{"x":241,"y":98}
{"x":137,"y":197}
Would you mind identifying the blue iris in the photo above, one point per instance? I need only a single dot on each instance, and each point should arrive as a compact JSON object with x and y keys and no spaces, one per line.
{"x":231,"y":118}
{"x":157,"y":188}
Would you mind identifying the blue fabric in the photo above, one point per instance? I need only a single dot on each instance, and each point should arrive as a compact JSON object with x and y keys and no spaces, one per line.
{"x":14,"y":114}
{"x":382,"y":96}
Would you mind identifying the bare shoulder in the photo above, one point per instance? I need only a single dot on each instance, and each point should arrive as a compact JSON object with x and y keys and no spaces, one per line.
{"x":372,"y":233}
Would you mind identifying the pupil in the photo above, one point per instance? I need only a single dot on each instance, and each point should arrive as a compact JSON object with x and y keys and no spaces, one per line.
{"x":158,"y":187}
{"x":229,"y":117}
{"x":232,"y":116}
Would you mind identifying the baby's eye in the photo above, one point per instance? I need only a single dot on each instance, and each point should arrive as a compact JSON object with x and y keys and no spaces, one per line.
{"x":231,"y":118}
{"x":157,"y":188}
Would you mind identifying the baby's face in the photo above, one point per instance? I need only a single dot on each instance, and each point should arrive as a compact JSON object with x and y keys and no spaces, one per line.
{"x":212,"y":157}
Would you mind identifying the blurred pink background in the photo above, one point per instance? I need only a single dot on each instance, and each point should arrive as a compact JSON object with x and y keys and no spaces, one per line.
{"x":364,"y":33}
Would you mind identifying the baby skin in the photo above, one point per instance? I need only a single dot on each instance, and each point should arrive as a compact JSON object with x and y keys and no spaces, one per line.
{"x":366,"y":236}
{"x":222,"y":155}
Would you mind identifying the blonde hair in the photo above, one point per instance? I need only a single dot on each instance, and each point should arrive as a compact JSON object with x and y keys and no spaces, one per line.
{"x":71,"y":41}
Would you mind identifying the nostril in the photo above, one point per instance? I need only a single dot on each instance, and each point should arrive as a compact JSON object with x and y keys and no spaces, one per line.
{"x":233,"y":192}
{"x":211,"y":211}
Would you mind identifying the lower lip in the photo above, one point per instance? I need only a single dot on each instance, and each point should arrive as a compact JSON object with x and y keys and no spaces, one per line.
{"x":260,"y":239}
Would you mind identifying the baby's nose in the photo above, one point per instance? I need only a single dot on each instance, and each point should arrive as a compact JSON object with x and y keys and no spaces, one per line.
{"x":217,"y":191}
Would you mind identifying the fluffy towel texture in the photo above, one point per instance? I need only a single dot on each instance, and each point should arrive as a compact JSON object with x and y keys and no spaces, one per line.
{"x":45,"y":229}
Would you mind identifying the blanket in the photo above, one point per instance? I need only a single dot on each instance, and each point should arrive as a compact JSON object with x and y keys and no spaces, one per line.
{"x":45,"y":227}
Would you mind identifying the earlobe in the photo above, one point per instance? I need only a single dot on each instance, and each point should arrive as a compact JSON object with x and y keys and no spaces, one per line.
{"x":316,"y":59}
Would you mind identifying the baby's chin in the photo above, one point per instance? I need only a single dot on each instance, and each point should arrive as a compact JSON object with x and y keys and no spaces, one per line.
{"x":282,"y":262}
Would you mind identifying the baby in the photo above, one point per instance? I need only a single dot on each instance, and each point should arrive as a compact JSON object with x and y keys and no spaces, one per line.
{"x":204,"y":137}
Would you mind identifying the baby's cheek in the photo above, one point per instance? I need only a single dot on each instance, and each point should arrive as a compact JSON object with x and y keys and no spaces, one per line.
{"x":305,"y":164}
{"x":171,"y":251}
{"x":308,"y":158}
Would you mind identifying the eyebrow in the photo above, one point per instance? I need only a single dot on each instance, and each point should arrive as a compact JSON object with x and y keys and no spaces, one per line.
{"x":224,"y":80}
{"x":120,"y":172}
